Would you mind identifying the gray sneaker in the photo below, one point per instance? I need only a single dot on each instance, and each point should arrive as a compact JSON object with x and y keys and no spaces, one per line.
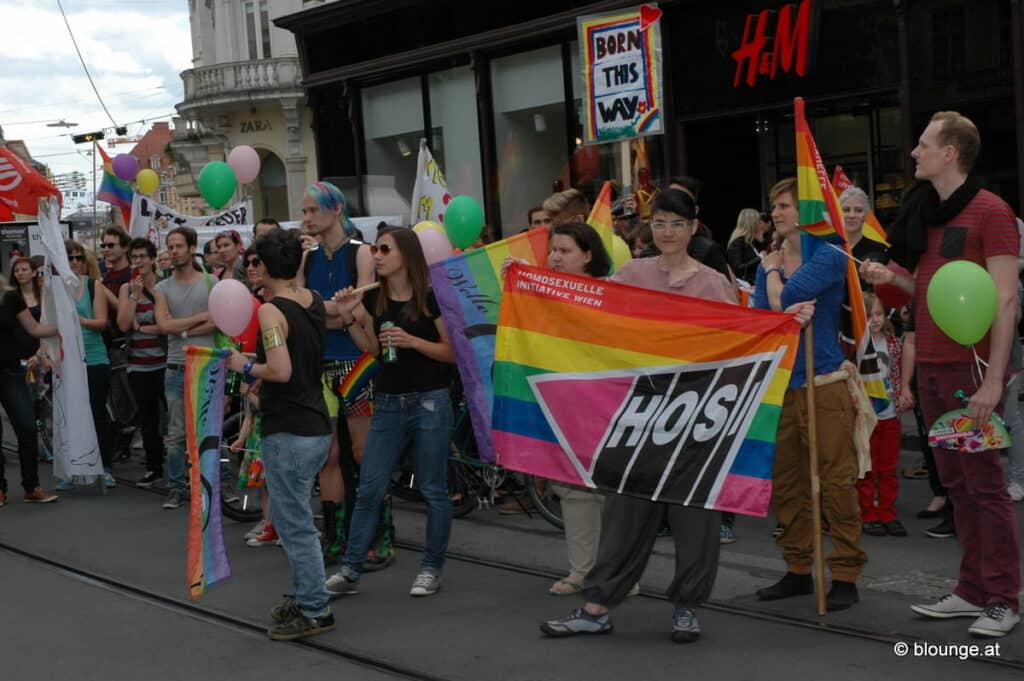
{"x":947,"y":607}
{"x":341,"y":584}
{"x":579,"y":621}
{"x":997,"y":621}
{"x":685,"y":627}
{"x":174,"y":500}
{"x":425,"y":584}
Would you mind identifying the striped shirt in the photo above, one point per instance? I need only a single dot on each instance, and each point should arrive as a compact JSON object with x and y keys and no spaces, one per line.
{"x":146,"y":351}
{"x":985,"y":228}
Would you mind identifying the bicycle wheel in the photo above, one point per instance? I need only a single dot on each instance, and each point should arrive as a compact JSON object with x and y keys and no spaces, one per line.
{"x":239,"y":504}
{"x":544,"y":499}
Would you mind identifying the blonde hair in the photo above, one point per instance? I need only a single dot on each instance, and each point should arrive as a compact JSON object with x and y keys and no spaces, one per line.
{"x":746,"y":225}
{"x":564,"y":205}
{"x":959,"y":132}
{"x":870,"y":299}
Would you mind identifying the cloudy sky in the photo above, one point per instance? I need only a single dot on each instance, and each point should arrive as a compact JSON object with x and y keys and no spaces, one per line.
{"x":134,"y":49}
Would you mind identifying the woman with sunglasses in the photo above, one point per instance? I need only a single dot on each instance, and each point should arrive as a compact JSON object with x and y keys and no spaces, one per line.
{"x":629,"y":525}
{"x":91,"y":304}
{"x":16,"y":324}
{"x":412,"y":402}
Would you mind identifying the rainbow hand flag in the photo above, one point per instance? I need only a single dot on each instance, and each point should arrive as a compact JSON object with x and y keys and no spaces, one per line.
{"x":872,"y":228}
{"x":205,"y":369}
{"x":114,"y":190}
{"x":363,"y":371}
{"x":468,"y":288}
{"x":817,"y":200}
{"x":640,"y":392}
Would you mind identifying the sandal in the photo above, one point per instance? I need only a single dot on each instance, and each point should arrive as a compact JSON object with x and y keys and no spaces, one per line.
{"x":565,"y":587}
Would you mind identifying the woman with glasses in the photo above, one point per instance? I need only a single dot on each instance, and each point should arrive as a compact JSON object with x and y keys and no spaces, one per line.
{"x":91,"y":304}
{"x":629,"y":525}
{"x":401,"y":323}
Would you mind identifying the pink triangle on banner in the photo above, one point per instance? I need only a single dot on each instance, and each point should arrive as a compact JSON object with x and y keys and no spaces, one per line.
{"x":583,"y":429}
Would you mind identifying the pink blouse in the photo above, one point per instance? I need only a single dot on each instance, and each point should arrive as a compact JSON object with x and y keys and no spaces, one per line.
{"x":705,"y":283}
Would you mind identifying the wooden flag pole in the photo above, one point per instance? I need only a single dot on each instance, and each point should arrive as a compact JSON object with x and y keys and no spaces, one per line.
{"x":812,"y":446}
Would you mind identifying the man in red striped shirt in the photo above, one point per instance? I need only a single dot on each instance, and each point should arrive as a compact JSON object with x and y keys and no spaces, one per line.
{"x":950,"y":217}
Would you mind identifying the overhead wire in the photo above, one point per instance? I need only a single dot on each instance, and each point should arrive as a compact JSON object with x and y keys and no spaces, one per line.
{"x":84,"y":67}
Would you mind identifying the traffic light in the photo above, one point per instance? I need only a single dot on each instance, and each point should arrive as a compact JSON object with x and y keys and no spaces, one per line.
{"x":121,"y":130}
{"x":87,"y":137}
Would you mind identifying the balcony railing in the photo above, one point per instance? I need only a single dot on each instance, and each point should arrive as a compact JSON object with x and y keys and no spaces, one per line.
{"x":241,"y":81}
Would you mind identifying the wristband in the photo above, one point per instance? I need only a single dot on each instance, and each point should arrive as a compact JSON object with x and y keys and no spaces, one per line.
{"x":769,"y":270}
{"x":347,"y":325}
{"x":247,"y":372}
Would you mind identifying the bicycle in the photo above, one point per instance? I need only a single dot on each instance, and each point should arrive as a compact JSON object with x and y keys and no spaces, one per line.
{"x":241,"y":504}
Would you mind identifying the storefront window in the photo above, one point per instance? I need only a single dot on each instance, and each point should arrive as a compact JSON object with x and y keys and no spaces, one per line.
{"x":456,"y":137}
{"x":393,"y":126}
{"x":529,"y":122}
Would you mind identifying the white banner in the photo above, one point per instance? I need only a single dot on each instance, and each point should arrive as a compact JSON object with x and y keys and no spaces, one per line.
{"x":75,"y":450}
{"x":430,"y":193}
{"x":152,"y":220}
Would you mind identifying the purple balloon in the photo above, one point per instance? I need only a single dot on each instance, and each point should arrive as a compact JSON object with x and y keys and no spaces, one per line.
{"x":126,"y":167}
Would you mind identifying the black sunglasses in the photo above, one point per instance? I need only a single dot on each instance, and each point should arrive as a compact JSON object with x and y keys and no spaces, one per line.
{"x":383,"y":248}
{"x":107,"y":245}
{"x":76,"y":258}
{"x":252,"y":262}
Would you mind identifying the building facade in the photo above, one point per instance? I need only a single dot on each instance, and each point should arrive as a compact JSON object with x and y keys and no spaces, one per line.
{"x":497,"y":90}
{"x":244,"y":88}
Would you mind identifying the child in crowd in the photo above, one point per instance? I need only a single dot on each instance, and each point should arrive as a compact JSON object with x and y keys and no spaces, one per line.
{"x":877,"y":491}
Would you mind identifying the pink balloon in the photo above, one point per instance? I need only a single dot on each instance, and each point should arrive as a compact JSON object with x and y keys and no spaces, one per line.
{"x":245,"y":162}
{"x":231,"y":306}
{"x":436,"y":246}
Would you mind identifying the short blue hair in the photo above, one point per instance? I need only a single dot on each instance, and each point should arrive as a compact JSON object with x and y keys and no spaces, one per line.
{"x":329,"y":197}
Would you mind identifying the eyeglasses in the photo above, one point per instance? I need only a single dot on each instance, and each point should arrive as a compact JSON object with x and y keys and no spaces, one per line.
{"x":76,"y":258}
{"x":677,"y":225}
{"x":252,"y":262}
{"x":383,"y":248}
{"x":107,"y":244}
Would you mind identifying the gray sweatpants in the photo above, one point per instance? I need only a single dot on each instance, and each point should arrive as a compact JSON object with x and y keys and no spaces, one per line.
{"x":629,"y":527}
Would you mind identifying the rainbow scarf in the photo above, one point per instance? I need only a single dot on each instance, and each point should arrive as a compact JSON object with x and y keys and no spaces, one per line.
{"x":640,"y":392}
{"x":365,"y":368}
{"x":468,"y":288}
{"x":204,"y":415}
{"x":818,"y":201}
{"x":872,"y":227}
{"x":114,"y":190}
{"x":600,"y":219}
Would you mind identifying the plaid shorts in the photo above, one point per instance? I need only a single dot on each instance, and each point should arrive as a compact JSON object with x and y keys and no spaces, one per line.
{"x":335,"y":371}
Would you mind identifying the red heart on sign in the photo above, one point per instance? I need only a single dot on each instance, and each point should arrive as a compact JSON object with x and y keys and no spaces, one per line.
{"x":649,"y":14}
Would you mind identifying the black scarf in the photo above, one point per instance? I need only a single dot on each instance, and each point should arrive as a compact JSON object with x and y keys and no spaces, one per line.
{"x":922,"y":209}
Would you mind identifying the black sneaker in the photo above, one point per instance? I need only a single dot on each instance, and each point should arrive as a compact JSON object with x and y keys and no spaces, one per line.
{"x":894,"y":528}
{"x":943,"y":530}
{"x":790,"y":585}
{"x":175,"y":499}
{"x":147,"y":480}
{"x":288,"y":609}
{"x":841,"y":596}
{"x":579,"y":621}
{"x":875,"y":529}
{"x":685,"y":627}
{"x":296,"y":625}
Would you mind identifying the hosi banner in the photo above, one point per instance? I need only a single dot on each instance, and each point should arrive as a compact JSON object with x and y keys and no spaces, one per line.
{"x":205,"y":369}
{"x":152,"y":220}
{"x":639,"y":392}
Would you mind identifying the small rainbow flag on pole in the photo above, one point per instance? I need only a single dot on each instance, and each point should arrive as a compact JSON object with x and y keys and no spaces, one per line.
{"x":640,"y":392}
{"x":363,"y":371}
{"x":205,"y":369}
{"x":872,"y":228}
{"x":601,"y":217}
{"x":468,"y":288}
{"x":114,"y":190}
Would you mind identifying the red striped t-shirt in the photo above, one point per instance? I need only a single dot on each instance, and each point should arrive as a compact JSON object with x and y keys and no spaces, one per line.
{"x":985,"y":228}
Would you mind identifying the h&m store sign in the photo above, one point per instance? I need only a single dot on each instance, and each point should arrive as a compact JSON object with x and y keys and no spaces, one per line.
{"x":776,"y":42}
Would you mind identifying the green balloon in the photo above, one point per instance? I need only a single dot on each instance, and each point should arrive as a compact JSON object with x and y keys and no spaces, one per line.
{"x":463,"y":221}
{"x":217,"y":183}
{"x":962,"y":300}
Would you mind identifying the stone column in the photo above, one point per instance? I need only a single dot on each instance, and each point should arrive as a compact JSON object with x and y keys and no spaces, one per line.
{"x":295,"y":162}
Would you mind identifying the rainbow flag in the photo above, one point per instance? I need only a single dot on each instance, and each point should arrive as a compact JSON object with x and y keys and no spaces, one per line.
{"x":872,"y":228}
{"x":468,"y":289}
{"x":114,"y":190}
{"x":639,"y":392}
{"x":205,"y":369}
{"x":817,"y":200}
{"x":365,"y":368}
{"x":600,"y":218}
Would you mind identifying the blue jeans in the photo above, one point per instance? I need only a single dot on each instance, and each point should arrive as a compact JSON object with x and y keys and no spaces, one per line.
{"x":426,"y":420}
{"x":292,"y":463}
{"x":174,"y":440}
{"x":20,"y":408}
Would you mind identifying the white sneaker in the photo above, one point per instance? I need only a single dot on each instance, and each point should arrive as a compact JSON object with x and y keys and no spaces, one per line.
{"x":425,"y":584}
{"x":256,"y":531}
{"x":1016,"y":491}
{"x":997,"y":621}
{"x":947,"y":607}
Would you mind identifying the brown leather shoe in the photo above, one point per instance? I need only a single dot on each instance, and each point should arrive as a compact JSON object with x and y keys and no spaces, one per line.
{"x":38,"y":496}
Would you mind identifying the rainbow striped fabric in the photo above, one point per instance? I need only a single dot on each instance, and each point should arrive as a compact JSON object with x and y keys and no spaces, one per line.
{"x":205,"y":369}
{"x":600,"y":218}
{"x":639,"y":392}
{"x":365,"y":368}
{"x":114,"y":190}
{"x":872,"y":227}
{"x":817,"y":199}
{"x":468,"y":288}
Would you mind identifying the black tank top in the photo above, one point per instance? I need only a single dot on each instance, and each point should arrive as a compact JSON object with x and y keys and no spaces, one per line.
{"x":297,"y":407}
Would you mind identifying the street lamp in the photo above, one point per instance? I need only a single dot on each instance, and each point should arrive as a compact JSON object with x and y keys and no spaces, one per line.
{"x":61,"y":124}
